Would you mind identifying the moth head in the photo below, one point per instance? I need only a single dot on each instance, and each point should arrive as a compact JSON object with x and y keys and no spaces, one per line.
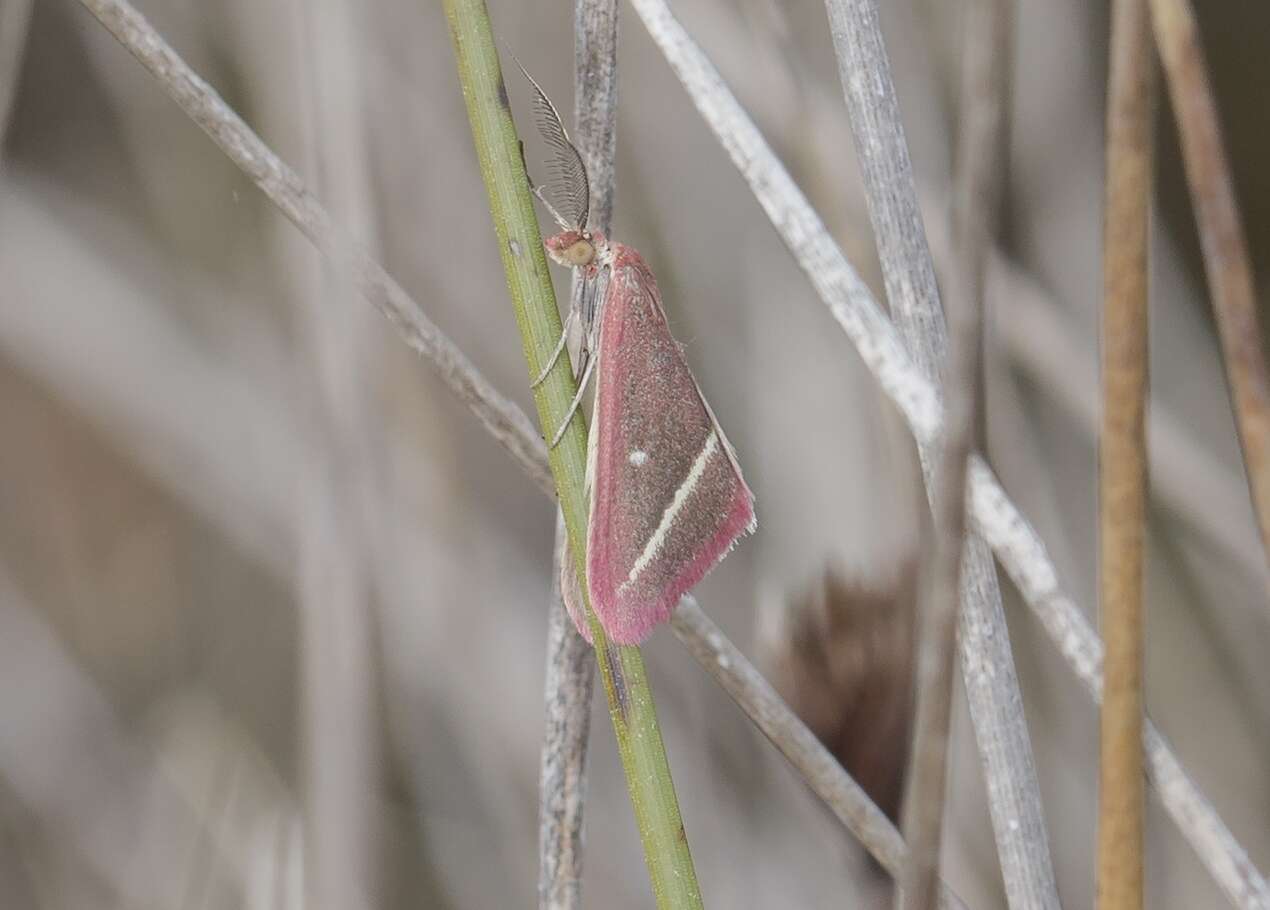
{"x":575,"y":249}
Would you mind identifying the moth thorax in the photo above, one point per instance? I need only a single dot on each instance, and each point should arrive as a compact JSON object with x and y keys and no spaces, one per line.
{"x":574,"y":249}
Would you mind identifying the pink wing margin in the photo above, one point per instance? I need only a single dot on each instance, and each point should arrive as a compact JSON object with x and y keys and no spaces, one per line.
{"x":668,"y":501}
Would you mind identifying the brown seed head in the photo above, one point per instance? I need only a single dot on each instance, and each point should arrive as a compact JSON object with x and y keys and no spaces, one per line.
{"x":844,"y":662}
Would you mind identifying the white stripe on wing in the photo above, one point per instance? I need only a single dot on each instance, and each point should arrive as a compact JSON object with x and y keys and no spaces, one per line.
{"x":676,"y":506}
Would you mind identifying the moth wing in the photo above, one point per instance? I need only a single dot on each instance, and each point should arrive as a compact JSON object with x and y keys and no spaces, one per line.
{"x":571,"y":594}
{"x":667,"y":498}
{"x":570,"y":590}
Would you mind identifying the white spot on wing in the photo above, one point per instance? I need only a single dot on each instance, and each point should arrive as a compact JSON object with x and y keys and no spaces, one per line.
{"x":638,"y":458}
{"x":676,"y":506}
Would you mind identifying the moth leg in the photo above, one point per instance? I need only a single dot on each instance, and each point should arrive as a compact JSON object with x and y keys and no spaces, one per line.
{"x":555,"y":355}
{"x":573,"y":408}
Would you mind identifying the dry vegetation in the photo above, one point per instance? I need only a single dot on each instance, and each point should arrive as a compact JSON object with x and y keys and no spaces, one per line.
{"x":254,"y":557}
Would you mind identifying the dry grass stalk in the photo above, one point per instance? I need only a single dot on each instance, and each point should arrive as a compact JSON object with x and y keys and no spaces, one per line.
{"x":795,"y":740}
{"x":1014,"y":540}
{"x":992,"y":687}
{"x":1023,"y":555}
{"x":997,"y":518}
{"x":1226,"y":262}
{"x":1122,"y":457}
{"x":504,"y":421}
{"x":570,"y":681}
{"x":570,"y":667}
{"x":985,"y":63}
{"x":500,"y":416}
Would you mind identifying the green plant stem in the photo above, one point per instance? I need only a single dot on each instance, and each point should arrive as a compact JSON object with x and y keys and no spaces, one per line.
{"x":630,"y":700}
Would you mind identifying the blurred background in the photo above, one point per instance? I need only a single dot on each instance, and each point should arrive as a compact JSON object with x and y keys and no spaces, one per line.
{"x":257,"y":566}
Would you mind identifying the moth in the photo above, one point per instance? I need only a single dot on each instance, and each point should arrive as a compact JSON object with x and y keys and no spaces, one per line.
{"x":666,"y":497}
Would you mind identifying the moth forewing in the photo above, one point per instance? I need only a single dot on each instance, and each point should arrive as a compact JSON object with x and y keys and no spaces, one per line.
{"x":667,"y":499}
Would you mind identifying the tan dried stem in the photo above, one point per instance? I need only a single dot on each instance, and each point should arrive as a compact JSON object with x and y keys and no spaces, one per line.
{"x":1122,"y":465}
{"x":1221,"y":234}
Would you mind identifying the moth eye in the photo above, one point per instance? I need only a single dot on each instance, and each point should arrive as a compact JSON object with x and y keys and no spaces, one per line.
{"x":579,"y":254}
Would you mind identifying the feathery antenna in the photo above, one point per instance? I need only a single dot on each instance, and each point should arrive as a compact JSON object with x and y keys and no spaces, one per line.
{"x":568,"y":183}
